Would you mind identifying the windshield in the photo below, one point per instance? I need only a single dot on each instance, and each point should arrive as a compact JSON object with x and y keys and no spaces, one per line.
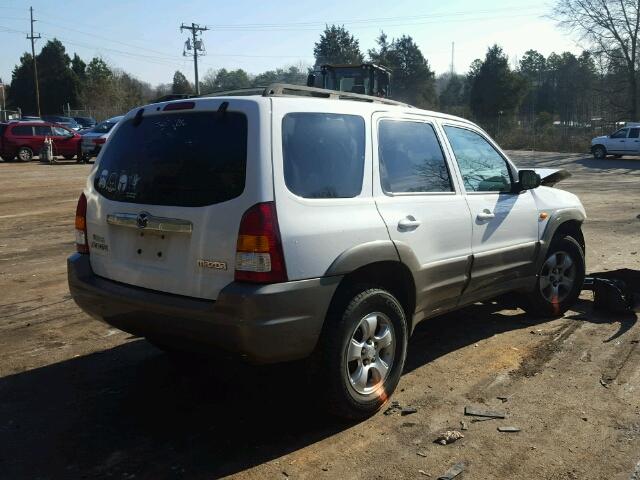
{"x":104,"y":127}
{"x":354,"y":80}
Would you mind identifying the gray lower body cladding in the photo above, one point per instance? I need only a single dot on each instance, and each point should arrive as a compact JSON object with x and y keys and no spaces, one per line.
{"x":262,"y":323}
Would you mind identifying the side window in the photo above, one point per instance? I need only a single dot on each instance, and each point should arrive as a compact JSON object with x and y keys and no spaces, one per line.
{"x":22,"y":131}
{"x":323,"y":154}
{"x":411,"y":159}
{"x":634,"y":133}
{"x":620,"y":133}
{"x":483,"y":169}
{"x":60,"y":132}
{"x":42,"y":130}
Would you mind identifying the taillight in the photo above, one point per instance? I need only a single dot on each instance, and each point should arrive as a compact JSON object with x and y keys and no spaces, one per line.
{"x":99,"y":141}
{"x":82,"y":246}
{"x":259,"y":256}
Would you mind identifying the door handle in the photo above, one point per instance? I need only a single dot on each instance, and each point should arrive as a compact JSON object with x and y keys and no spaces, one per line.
{"x":408,"y":223}
{"x":486,"y":214}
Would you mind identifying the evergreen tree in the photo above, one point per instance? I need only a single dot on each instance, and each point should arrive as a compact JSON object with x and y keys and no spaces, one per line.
{"x":337,"y":45}
{"x":496,"y":91}
{"x":180,"y":83}
{"x":412,"y":80}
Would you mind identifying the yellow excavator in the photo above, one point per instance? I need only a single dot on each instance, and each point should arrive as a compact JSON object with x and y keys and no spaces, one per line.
{"x":365,"y":79}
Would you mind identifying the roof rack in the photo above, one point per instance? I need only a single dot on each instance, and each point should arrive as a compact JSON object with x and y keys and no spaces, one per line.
{"x":288,"y":90}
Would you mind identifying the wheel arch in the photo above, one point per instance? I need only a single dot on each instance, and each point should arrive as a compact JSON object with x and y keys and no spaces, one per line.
{"x":374,"y":263}
{"x":564,"y":222}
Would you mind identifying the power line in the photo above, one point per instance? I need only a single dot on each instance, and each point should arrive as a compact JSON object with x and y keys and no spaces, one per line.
{"x":33,"y":38}
{"x":379,"y":22}
{"x":198,"y":46}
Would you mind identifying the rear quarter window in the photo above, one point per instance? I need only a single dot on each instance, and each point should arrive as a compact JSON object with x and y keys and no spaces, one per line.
{"x":323,"y":154}
{"x":187,"y":159}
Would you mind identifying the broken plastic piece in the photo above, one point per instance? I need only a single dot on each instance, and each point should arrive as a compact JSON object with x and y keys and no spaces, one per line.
{"x":453,"y":472}
{"x":508,"y":429}
{"x":477,"y":412}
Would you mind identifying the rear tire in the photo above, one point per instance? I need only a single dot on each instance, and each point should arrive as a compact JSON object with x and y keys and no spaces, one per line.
{"x":599,"y":153}
{"x":25,"y":154}
{"x":361,"y":352}
{"x":559,"y":280}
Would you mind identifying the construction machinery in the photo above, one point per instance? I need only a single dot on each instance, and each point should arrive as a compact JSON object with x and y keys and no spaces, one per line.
{"x":365,"y":79}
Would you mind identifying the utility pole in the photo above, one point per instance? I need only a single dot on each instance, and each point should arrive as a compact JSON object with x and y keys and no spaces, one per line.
{"x":35,"y":64}
{"x":197,"y":46}
{"x":4,"y":105}
{"x":453,"y":51}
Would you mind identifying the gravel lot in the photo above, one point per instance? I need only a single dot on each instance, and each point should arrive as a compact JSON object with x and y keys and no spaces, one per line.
{"x":81,"y":400}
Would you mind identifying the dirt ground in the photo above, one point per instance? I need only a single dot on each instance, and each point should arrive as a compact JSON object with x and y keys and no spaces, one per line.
{"x":81,"y":400}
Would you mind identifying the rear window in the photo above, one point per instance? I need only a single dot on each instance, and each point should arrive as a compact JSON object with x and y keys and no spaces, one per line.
{"x":323,"y":154}
{"x":181,"y":159}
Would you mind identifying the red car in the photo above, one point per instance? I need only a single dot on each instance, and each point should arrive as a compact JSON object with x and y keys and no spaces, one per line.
{"x":25,"y":139}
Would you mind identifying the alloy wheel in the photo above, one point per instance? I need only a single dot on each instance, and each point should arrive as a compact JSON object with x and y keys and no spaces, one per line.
{"x":370,"y":353}
{"x":557,"y":277}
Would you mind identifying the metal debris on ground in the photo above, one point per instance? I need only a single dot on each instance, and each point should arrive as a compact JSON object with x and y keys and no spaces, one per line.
{"x":453,"y":472}
{"x":505,"y":398}
{"x":478,"y":412}
{"x":408,"y":411}
{"x":422,"y":472}
{"x":508,"y":429}
{"x":448,"y":437}
{"x":603,"y":383}
{"x":609,"y":294}
{"x":394,"y":408}
{"x":463,"y":425}
{"x":421,"y":454}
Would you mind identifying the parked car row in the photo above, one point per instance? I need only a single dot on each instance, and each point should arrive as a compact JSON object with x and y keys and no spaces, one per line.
{"x":24,"y":139}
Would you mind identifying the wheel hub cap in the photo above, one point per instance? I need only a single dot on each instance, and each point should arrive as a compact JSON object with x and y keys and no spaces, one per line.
{"x":370,"y":353}
{"x":557,"y":277}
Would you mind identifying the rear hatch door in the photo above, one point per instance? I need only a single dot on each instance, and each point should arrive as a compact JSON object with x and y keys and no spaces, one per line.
{"x":165,"y":201}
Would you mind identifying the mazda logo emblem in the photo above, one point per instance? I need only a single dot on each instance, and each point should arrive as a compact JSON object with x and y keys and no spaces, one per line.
{"x":142,"y":220}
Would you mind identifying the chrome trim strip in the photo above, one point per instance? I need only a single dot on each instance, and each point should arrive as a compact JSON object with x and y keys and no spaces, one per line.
{"x":159,"y":224}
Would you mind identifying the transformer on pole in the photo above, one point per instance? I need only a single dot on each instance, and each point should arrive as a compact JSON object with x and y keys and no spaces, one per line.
{"x":194,"y":46}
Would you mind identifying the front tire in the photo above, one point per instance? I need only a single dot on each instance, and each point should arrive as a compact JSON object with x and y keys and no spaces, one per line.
{"x":362,"y":352}
{"x":560,"y":279}
{"x":599,"y":152}
{"x":25,"y":154}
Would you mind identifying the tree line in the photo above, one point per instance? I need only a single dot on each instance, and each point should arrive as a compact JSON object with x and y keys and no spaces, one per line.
{"x":560,"y":92}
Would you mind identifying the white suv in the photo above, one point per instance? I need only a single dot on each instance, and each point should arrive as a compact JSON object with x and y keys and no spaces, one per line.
{"x":285,"y":226}
{"x":625,"y":141}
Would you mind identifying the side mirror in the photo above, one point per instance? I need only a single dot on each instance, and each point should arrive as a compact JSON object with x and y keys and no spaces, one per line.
{"x":528,"y":180}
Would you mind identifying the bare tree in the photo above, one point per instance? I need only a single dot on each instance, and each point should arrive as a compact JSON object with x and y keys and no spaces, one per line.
{"x":612,"y":26}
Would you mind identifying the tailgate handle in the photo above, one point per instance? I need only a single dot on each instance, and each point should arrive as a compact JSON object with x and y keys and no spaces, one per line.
{"x":146,"y":221}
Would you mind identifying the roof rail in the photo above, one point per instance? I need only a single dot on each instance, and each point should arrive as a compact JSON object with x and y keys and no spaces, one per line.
{"x":288,"y":90}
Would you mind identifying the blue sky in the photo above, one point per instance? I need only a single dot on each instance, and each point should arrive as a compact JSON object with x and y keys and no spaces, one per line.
{"x":143,"y":37}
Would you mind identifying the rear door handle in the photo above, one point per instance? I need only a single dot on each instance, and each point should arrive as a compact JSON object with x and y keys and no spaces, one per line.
{"x":408,"y":223}
{"x":486,"y":214}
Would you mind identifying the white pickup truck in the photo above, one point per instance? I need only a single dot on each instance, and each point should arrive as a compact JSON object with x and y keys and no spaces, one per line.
{"x":625,"y":141}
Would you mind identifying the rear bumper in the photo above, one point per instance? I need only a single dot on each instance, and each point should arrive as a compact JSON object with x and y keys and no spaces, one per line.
{"x":262,"y":323}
